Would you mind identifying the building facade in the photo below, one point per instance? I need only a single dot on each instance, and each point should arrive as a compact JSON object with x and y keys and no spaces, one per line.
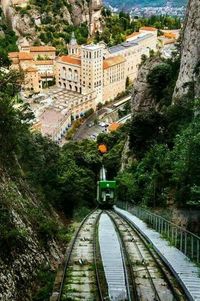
{"x":88,"y":75}
{"x":37,"y":63}
{"x":103,"y":70}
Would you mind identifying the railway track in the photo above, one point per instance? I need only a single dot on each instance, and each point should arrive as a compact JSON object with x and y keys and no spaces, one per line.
{"x":79,"y":279}
{"x":153,"y":281}
{"x":109,"y":260}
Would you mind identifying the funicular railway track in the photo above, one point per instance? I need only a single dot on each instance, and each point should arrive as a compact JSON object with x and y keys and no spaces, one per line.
{"x":153,"y":281}
{"x":102,"y":270}
{"x":79,"y":279}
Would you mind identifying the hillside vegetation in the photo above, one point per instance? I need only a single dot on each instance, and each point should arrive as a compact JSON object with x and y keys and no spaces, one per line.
{"x":163,"y":143}
{"x":117,"y":27}
{"x":52,"y":22}
{"x":8,"y":41}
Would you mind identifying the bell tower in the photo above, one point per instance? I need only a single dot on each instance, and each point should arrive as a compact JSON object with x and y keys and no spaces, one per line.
{"x":73,"y":47}
{"x":92,"y":70}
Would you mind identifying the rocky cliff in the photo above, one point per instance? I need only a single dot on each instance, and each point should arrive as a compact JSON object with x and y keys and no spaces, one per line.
{"x":188,"y":83}
{"x":28,"y":239}
{"x":142,"y":99}
{"x":28,"y":20}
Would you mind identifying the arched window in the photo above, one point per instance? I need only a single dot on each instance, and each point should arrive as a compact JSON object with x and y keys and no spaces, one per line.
{"x":70,"y":87}
{"x":75,"y":75}
{"x":63,"y":72}
{"x":69,"y":73}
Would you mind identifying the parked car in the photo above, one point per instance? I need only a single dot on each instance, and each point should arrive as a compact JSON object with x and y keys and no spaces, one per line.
{"x":102,"y":124}
{"x":90,"y":124}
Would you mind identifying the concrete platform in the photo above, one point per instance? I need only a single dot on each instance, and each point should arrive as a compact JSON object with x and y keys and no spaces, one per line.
{"x":184,"y":270}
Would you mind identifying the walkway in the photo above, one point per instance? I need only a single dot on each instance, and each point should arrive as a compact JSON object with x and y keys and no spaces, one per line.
{"x":187,"y":272}
{"x":111,"y":255}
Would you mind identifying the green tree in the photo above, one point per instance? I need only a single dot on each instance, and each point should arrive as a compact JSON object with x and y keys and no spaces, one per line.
{"x":186,"y":164}
{"x":146,"y":129}
{"x":158,"y":79}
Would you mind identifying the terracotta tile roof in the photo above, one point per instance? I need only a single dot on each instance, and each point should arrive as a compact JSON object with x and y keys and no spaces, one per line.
{"x":148,"y":28}
{"x":170,"y":35}
{"x":71,"y":60}
{"x":25,"y":55}
{"x":132,"y":35}
{"x":112,"y":61}
{"x":42,"y":49}
{"x":13,"y":55}
{"x":44,"y":62}
{"x":113,"y":127}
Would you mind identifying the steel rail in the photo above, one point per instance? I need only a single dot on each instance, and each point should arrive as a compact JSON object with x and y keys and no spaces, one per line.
{"x":69,"y":252}
{"x":95,"y":256}
{"x":156,"y":295}
{"x":131,"y":293}
{"x":161,"y":266}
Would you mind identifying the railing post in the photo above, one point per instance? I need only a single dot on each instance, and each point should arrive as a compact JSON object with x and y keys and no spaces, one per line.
{"x":198,"y":250}
{"x":159,"y":224}
{"x":165,"y":231}
{"x":185,"y":243}
{"x":181,"y":240}
{"x":168,"y":229}
{"x":192,"y":247}
{"x":176,"y":237}
{"x":172,"y":238}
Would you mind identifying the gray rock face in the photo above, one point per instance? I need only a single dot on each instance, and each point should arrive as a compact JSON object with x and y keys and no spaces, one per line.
{"x":188,"y":82}
{"x":76,"y":13}
{"x":142,"y":99}
{"x":19,"y":267}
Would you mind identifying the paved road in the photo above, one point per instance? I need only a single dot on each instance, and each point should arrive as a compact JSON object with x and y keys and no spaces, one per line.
{"x":86,"y":131}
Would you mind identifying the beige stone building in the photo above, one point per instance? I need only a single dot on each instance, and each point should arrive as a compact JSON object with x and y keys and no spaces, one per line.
{"x":114,"y":77}
{"x":37,"y":63}
{"x":103,"y":70}
{"x":88,"y":75}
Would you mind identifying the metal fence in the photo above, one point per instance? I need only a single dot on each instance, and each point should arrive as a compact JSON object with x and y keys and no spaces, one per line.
{"x":187,"y":242}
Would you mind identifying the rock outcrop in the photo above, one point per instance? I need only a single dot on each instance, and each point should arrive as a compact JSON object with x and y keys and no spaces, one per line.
{"x":87,"y":11}
{"x":76,"y":12}
{"x":23,"y":249}
{"x":188,"y":83}
{"x":142,"y":99}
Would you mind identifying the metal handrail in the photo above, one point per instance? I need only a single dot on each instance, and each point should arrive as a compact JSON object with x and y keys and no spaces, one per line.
{"x":173,"y":224}
{"x":186,"y":241}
